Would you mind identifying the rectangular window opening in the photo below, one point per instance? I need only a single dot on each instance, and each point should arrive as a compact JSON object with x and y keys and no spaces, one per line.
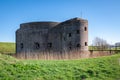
{"x":49,"y":45}
{"x":70,"y":47}
{"x":86,"y":44}
{"x":37,"y":45}
{"x":85,"y":28}
{"x":70,"y":34}
{"x":78,"y":31}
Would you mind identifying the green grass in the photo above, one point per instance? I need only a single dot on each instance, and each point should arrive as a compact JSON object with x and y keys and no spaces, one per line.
{"x":7,"y":48}
{"x":103,"y":68}
{"x":98,"y":48}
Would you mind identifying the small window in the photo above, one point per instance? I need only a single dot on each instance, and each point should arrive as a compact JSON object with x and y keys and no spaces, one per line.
{"x":37,"y":45}
{"x":78,"y":45}
{"x":21,"y":45}
{"x":86,"y":44}
{"x":85,"y":28}
{"x":70,"y":35}
{"x":49,"y":45}
{"x":70,"y":47}
{"x":78,"y":31}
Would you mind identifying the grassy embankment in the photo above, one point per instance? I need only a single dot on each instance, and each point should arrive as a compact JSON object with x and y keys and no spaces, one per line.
{"x":7,"y":48}
{"x":102,"y":68}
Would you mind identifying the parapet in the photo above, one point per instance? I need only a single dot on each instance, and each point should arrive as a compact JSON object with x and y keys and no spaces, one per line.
{"x":38,"y":25}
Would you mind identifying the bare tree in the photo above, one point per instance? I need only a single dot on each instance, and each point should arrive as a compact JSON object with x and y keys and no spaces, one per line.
{"x":100,"y":44}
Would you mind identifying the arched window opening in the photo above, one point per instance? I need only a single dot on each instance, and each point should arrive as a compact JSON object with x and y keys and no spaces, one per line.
{"x":70,"y":47}
{"x":78,"y":31}
{"x":49,"y":45}
{"x":69,"y":34}
{"x":85,"y":28}
{"x":86,"y":44}
{"x":37,"y":45}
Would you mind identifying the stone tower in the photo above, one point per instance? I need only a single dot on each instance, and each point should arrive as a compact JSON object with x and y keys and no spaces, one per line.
{"x":37,"y":37}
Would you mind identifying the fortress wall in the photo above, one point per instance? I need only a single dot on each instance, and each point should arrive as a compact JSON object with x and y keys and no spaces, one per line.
{"x":54,"y":55}
{"x":32,"y":37}
{"x":54,"y":37}
{"x":75,"y":54}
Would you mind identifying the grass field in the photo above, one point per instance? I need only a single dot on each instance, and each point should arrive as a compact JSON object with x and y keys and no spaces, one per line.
{"x":7,"y":48}
{"x":102,"y":68}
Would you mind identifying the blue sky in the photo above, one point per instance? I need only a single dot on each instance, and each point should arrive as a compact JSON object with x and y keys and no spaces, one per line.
{"x":103,"y":16}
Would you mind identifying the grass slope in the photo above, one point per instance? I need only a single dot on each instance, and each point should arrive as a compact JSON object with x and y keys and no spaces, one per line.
{"x":7,"y":48}
{"x":103,"y":68}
